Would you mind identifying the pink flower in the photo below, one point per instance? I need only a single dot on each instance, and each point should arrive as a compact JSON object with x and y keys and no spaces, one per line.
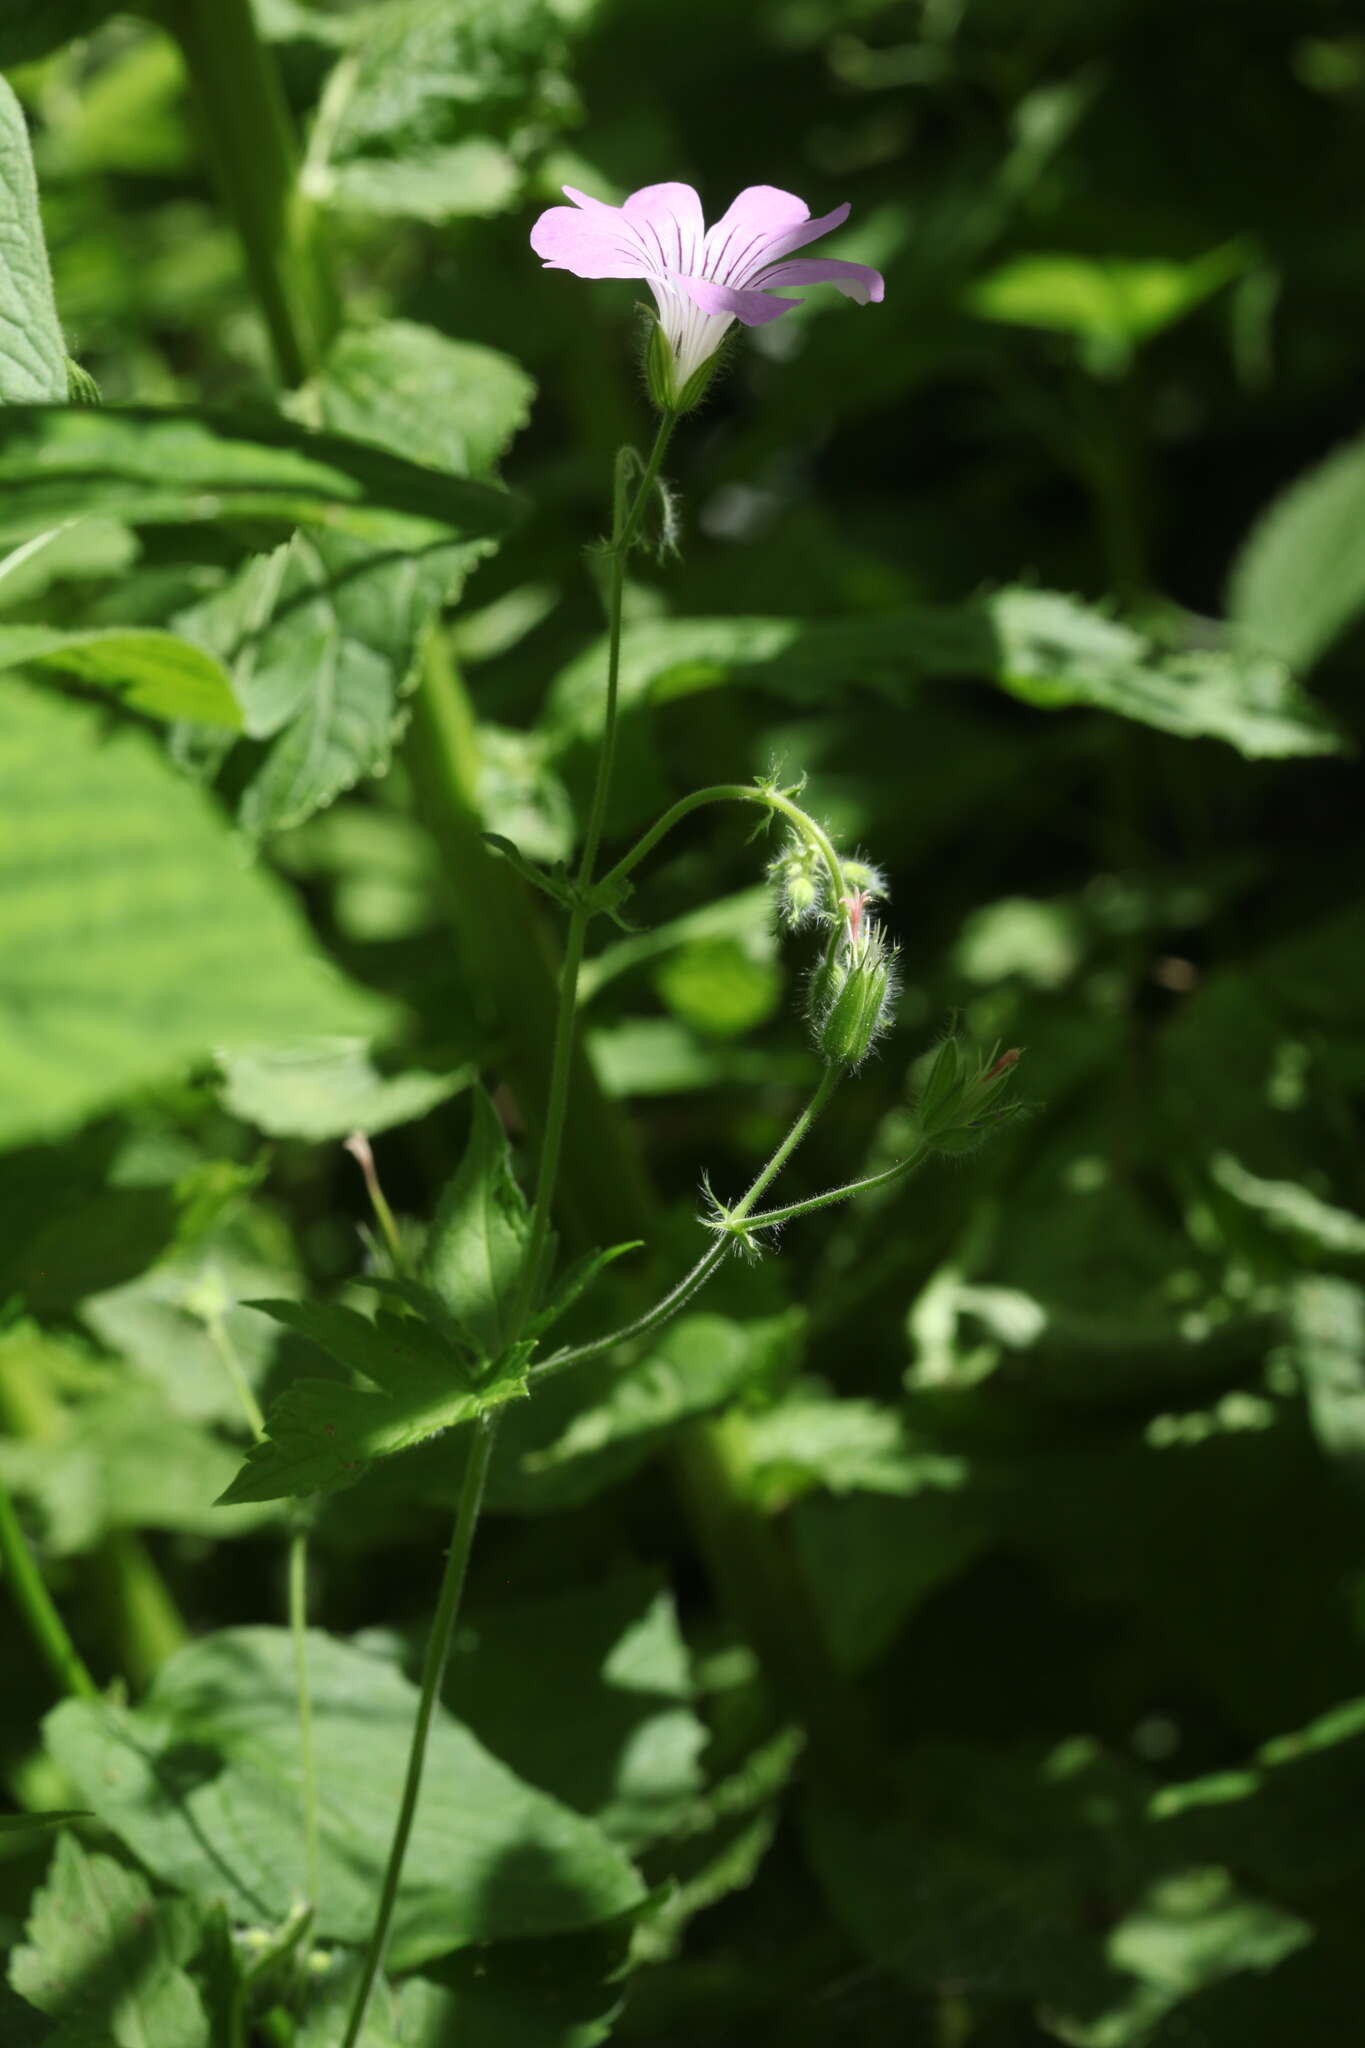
{"x":703,"y":279}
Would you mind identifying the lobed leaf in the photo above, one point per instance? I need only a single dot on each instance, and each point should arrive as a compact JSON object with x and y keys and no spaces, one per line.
{"x":32,"y":352}
{"x":157,"y":673}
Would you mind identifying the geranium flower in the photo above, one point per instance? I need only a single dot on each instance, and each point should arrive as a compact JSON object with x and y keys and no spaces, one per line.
{"x":703,"y":279}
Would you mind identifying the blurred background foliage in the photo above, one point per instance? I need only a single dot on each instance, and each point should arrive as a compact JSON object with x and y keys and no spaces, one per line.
{"x":1061,"y":1445}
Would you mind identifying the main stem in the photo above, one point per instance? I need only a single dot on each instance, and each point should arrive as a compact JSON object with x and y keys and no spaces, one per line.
{"x":625,"y":525}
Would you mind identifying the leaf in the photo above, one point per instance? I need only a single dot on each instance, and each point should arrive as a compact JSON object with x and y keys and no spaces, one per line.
{"x":325,"y":1088}
{"x":321,"y":638}
{"x":106,"y":1958}
{"x":148,"y":671}
{"x":202,"y":1781}
{"x":433,"y":106}
{"x":132,"y":938}
{"x":32,"y":352}
{"x":321,"y":1434}
{"x":624,"y":1742}
{"x":1327,"y":1344}
{"x":1046,"y":648}
{"x":477,"y":1245}
{"x":1291,"y":1211}
{"x":141,"y":463}
{"x":849,"y":1446}
{"x":1299,"y":580}
{"x":1111,"y":304}
{"x":455,"y":404}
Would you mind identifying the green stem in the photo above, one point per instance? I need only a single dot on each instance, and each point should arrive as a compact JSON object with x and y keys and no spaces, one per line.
{"x":298,"y":1630}
{"x":767,"y":1217}
{"x":433,"y":1672}
{"x":694,"y":1280}
{"x":35,"y":1603}
{"x":731,"y":793}
{"x":236,"y":1374}
{"x":249,"y":138}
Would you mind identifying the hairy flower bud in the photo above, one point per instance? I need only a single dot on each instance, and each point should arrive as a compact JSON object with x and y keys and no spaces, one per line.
{"x":857,"y":987}
{"x":958,"y":1101}
{"x":798,"y":875}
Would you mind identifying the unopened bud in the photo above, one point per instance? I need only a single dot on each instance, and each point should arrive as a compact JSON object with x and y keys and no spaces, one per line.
{"x":861,"y":982}
{"x":869,"y":882}
{"x":958,"y":1103}
{"x":799,"y":878}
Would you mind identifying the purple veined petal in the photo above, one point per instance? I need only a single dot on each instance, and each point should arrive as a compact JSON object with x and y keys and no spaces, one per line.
{"x":794,"y":237}
{"x":855,"y":280}
{"x":668,"y":220}
{"x":758,"y":215}
{"x":591,"y":239}
{"x":755,"y":309}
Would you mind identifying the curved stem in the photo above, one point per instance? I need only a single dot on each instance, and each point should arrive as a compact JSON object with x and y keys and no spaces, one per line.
{"x":885,"y":1178}
{"x":696,"y":1278}
{"x":732,"y":793}
{"x":433,"y":1672}
{"x":36,"y":1605}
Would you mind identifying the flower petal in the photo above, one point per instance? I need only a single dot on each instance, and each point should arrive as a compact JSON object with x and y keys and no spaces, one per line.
{"x":591,"y":239}
{"x":855,"y":280}
{"x":755,"y":309}
{"x":794,"y":237}
{"x":760,"y":214}
{"x":668,"y":221}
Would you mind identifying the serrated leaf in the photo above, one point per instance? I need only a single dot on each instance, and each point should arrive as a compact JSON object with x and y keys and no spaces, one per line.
{"x":430,"y":111}
{"x":144,"y":463}
{"x":328,"y":1087}
{"x":106,"y":1959}
{"x":456,"y":404}
{"x":478,"y":1238}
{"x":32,"y":352}
{"x":321,"y":638}
{"x":1111,"y":303}
{"x":201,"y":1781}
{"x":133,"y":940}
{"x":1299,"y":580}
{"x":158,"y":673}
{"x":1039,"y":645}
{"x":321,"y":1434}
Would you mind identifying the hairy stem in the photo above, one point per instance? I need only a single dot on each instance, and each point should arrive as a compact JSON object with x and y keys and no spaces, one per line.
{"x":433,"y":1672}
{"x":732,"y":793}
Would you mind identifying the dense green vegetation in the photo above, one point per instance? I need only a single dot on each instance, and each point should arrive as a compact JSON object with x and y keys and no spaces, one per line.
{"x":945,"y":1629}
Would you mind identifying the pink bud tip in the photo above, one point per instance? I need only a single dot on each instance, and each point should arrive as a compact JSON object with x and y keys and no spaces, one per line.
{"x":1006,"y":1059}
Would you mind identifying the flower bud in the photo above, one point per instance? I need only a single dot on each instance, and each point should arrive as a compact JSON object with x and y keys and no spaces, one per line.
{"x":799,"y":878}
{"x":867,"y":881}
{"x":859,"y":982}
{"x":957,"y":1103}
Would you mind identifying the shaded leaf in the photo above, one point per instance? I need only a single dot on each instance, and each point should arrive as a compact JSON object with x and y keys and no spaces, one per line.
{"x":160,"y":466}
{"x":321,"y":1434}
{"x":454,"y":404}
{"x":106,"y":1959}
{"x":328,"y":1087}
{"x":196,"y":1780}
{"x":133,"y":938}
{"x":1300,"y":577}
{"x":477,"y":1244}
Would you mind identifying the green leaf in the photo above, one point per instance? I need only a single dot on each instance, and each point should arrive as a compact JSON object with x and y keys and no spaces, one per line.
{"x":1299,"y":580}
{"x":32,"y":352}
{"x":624,"y":1742}
{"x":1111,"y":304}
{"x":478,"y":1239}
{"x":325,"y":1088}
{"x":169,"y":467}
{"x":202,"y":1778}
{"x":106,"y":1958}
{"x":432,"y":108}
{"x":38,"y":1823}
{"x":132,"y":937}
{"x":1327,"y":1338}
{"x":812,"y":1439}
{"x":1043,"y":647}
{"x":1291,"y":1211}
{"x":153,"y":672}
{"x":321,"y":1434}
{"x":321,"y":638}
{"x":454,"y":404}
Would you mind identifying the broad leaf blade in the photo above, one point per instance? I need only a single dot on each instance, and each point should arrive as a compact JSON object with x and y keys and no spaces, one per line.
{"x":32,"y":353}
{"x":132,"y":938}
{"x":1300,"y":578}
{"x":453,"y":403}
{"x":157,"y":673}
{"x":158,"y":466}
{"x":106,"y":1959}
{"x":201,"y":1778}
{"x":478,"y":1238}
